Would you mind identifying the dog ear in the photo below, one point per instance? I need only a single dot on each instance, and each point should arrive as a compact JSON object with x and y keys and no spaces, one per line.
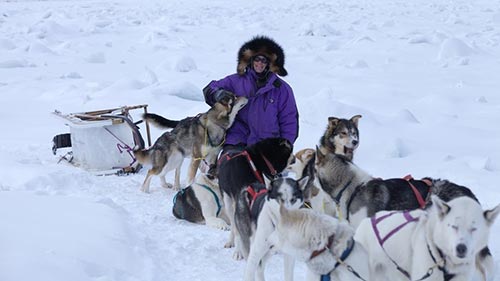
{"x":303,"y":182}
{"x":355,"y":119}
{"x":441,"y":206}
{"x":491,"y":215}
{"x":333,"y":122}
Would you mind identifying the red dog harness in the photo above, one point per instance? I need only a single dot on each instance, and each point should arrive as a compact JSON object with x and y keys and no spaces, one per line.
{"x":420,"y":200}
{"x":257,"y":173}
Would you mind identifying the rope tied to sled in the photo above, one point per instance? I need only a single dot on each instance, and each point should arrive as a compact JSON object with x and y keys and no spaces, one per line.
{"x":123,"y":147}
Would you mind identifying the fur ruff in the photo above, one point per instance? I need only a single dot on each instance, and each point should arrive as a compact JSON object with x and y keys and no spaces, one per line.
{"x":262,"y":45}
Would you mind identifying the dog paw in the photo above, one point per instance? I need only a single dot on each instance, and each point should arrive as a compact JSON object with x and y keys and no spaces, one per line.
{"x":167,"y":185}
{"x":222,"y":226}
{"x":237,"y":255}
{"x":217,"y":223}
{"x":229,"y":244}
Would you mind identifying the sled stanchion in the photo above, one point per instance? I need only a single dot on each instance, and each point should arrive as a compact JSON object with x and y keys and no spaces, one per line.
{"x":147,"y":125}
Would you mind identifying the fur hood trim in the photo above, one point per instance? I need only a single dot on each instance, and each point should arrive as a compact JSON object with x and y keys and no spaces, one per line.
{"x":262,"y":45}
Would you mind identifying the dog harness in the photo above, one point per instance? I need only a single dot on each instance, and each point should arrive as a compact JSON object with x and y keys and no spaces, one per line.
{"x":408,"y":218}
{"x":340,"y":261}
{"x":420,"y":200}
{"x":408,"y":178}
{"x":217,"y":201}
{"x":256,"y":197}
{"x":257,"y":173}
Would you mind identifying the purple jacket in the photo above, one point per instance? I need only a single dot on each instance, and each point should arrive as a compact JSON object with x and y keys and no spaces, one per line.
{"x":270,"y":112}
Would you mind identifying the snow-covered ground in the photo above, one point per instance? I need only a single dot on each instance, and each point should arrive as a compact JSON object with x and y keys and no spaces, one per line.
{"x":424,"y":75}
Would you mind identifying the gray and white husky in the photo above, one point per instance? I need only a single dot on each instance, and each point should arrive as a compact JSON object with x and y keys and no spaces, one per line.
{"x":341,"y":136}
{"x":199,"y":137}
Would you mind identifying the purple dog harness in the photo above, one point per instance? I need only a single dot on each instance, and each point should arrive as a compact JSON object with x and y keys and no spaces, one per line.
{"x":375,"y":221}
{"x":408,"y":218}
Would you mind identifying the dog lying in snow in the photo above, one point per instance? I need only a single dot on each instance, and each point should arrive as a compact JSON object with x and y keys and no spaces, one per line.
{"x":439,"y":243}
{"x":202,"y":202}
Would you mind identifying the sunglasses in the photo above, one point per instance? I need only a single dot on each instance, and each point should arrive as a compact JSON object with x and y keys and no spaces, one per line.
{"x":261,"y":59}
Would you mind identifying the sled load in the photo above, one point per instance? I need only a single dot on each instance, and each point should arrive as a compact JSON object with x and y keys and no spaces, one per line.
{"x":101,"y":141}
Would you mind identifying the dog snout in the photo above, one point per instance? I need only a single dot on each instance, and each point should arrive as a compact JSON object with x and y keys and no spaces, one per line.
{"x":461,"y":250}
{"x":355,"y":142}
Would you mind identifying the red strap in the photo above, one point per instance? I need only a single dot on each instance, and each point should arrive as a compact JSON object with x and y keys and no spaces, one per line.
{"x":420,"y":200}
{"x":254,"y":194}
{"x":320,"y":251}
{"x":256,"y":173}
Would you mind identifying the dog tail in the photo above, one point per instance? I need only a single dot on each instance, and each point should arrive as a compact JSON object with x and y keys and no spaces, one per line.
{"x":142,"y":155}
{"x":159,"y":121}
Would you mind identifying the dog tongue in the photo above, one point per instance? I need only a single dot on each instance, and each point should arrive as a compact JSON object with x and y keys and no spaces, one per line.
{"x":348,"y":150}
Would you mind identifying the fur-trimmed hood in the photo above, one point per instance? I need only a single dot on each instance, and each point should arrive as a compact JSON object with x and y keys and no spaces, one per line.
{"x":262,"y":45}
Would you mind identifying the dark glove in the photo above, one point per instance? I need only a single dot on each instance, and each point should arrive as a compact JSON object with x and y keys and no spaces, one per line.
{"x":223,"y":95}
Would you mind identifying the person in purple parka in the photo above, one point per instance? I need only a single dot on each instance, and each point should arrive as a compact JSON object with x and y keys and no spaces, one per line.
{"x":271,"y":110}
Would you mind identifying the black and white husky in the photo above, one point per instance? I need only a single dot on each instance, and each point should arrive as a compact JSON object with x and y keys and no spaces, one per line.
{"x":257,"y":214}
{"x":201,"y":202}
{"x":236,"y":171}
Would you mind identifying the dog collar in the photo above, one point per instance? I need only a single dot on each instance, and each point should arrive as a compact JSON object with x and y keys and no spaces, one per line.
{"x":328,"y":245}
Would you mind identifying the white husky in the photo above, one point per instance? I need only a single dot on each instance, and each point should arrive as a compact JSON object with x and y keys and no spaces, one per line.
{"x":324,"y":243}
{"x":440,"y":243}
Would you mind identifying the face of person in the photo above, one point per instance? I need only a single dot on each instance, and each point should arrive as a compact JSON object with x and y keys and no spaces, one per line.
{"x":260,"y":63}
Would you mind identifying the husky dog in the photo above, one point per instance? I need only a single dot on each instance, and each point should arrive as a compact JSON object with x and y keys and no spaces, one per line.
{"x":314,"y":195}
{"x":239,"y":169}
{"x":199,"y":137}
{"x":439,"y":243}
{"x":323,"y":242}
{"x":341,"y":136}
{"x":358,"y":195}
{"x":201,"y":202}
{"x":256,"y":217}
